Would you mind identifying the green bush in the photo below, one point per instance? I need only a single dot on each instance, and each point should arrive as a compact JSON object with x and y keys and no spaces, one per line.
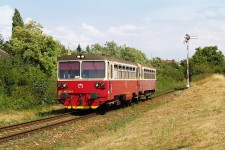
{"x":24,"y":86}
{"x":169,"y":76}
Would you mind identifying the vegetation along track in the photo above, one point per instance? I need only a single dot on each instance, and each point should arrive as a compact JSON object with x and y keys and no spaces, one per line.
{"x":21,"y":130}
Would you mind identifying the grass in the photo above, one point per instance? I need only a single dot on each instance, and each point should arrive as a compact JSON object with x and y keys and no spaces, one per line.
{"x":117,"y":124}
{"x":11,"y":116}
{"x":190,"y":119}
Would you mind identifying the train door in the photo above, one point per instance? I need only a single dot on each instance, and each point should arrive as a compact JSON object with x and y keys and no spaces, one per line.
{"x":109,"y":79}
{"x":139,"y":78}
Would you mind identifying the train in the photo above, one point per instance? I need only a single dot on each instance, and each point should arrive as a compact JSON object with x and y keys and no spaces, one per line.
{"x":89,"y":81}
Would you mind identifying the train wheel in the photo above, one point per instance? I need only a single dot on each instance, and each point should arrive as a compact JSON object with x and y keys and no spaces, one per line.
{"x":126,"y":103}
{"x":129,"y":103}
{"x":135,"y":100}
{"x":101,"y":110}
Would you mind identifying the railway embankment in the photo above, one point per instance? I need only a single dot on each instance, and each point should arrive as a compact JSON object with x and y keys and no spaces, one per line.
{"x":185,"y":119}
{"x":192,"y":119}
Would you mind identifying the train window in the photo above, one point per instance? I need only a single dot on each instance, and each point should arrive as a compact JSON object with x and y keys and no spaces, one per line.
{"x":120,"y":67}
{"x":142,"y":73}
{"x":138,"y":73}
{"x":93,"y":69}
{"x":149,"y":74}
{"x":69,"y":70}
{"x":120,"y":74}
{"x":115,"y":73}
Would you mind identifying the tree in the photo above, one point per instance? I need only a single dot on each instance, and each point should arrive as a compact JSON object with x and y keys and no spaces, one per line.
{"x":88,"y":50}
{"x":208,"y":59}
{"x":30,"y":44}
{"x":97,"y":48}
{"x":132,"y":54}
{"x":111,"y":49}
{"x":17,"y":19}
{"x":79,"y":49}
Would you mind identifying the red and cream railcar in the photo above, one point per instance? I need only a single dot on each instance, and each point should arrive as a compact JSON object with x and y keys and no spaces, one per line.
{"x":88,"y":81}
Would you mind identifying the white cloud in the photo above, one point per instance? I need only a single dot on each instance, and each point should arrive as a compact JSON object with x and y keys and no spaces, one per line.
{"x":147,"y":19}
{"x":91,"y":30}
{"x":6,"y":15}
{"x":211,"y":14}
{"x":67,"y":36}
{"x":127,"y":29}
{"x":222,"y":27}
{"x":6,"y":21}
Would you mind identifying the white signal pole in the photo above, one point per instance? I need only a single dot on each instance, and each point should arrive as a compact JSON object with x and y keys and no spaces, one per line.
{"x":186,"y":40}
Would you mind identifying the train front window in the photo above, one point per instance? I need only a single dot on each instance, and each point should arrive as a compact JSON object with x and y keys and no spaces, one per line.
{"x":69,"y":70}
{"x":93,"y":69}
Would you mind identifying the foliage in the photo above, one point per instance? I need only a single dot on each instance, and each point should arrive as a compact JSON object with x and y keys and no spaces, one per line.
{"x":112,"y":49}
{"x":35,"y":48}
{"x":169,"y":76}
{"x":88,"y":49}
{"x":96,"y":48}
{"x":122,"y":52}
{"x":16,"y":20}
{"x":23,"y":85}
{"x":206,"y":60}
{"x":209,"y":57}
{"x":79,"y":49}
{"x":132,"y":54}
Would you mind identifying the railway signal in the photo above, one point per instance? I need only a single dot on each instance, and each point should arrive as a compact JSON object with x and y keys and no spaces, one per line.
{"x":186,"y":41}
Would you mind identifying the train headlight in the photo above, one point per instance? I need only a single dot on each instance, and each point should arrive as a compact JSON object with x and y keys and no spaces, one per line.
{"x":59,"y":85}
{"x":102,"y":85}
{"x":96,"y":84}
{"x":80,"y":56}
{"x":64,"y":85}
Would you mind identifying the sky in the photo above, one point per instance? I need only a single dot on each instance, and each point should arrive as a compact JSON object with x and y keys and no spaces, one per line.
{"x":156,"y":27}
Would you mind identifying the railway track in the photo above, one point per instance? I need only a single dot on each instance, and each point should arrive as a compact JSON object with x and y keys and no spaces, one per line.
{"x":21,"y":130}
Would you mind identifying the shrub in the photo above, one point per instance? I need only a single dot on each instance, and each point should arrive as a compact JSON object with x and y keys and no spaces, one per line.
{"x":24,"y":86}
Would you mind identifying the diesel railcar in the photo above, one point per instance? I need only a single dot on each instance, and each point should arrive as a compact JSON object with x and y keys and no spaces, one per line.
{"x":87,"y":81}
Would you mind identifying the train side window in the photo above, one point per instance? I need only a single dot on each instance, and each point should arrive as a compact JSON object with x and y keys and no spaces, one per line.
{"x":130,"y":72}
{"x":123,"y":67}
{"x":142,"y":73}
{"x":126,"y":73}
{"x":120,"y":72}
{"x":138,"y":72}
{"x":115,"y":72}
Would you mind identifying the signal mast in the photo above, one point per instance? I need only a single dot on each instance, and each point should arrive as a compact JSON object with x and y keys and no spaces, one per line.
{"x":186,"y":41}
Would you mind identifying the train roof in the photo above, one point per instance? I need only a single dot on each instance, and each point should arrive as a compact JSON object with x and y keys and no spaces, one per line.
{"x":97,"y":57}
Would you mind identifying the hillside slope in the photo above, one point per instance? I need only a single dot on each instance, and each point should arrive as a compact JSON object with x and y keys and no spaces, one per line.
{"x":193,"y":119}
